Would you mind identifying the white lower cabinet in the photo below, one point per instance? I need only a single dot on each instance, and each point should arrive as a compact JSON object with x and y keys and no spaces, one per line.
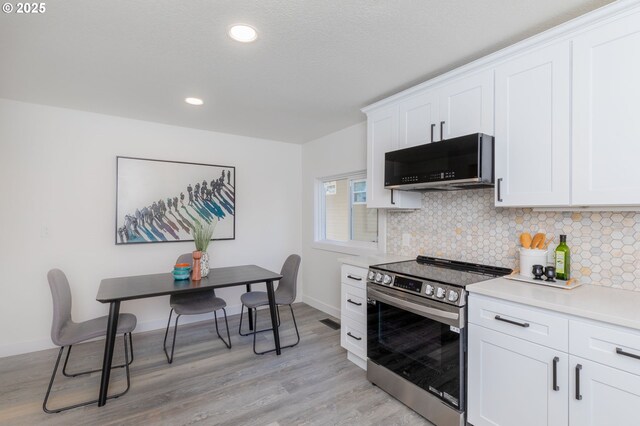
{"x":511,"y":381}
{"x":602,"y":396}
{"x":521,"y":376}
{"x":353,"y":316}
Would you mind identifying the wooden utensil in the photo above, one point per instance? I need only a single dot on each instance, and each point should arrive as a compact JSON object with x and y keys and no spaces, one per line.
{"x":549,"y":241}
{"x":538,"y":241}
{"x":525,"y":240}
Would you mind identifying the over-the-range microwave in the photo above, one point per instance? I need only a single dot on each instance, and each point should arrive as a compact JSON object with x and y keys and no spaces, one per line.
{"x":464,"y":162}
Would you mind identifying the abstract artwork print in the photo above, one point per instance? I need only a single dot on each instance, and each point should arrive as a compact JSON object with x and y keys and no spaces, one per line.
{"x":163,"y":201}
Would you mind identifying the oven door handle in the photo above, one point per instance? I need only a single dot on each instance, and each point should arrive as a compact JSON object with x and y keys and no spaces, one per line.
{"x":425,"y":311}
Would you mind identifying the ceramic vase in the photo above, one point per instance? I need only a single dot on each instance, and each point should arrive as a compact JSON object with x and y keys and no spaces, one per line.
{"x":204,"y":264}
{"x":196,"y":274}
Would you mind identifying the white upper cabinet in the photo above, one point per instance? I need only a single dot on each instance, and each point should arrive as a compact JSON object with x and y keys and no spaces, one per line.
{"x":563,"y":106}
{"x":382,"y":137}
{"x":532,"y":128}
{"x":459,"y":108}
{"x":606,"y":114}
{"x":466,"y":106}
{"x":418,"y":117}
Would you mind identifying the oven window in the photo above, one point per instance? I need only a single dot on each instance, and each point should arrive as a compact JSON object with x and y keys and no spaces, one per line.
{"x":423,"y":351}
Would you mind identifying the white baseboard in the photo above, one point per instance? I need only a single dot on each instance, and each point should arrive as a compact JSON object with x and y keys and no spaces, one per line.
{"x":158,"y":324}
{"x":315,"y":303}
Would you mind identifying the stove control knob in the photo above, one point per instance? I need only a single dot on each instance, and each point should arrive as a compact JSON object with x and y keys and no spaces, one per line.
{"x":453,"y":296}
{"x":440,"y":293}
{"x":378,"y":277}
{"x":429,"y":290}
{"x":371,"y":275}
{"x":387,"y":279}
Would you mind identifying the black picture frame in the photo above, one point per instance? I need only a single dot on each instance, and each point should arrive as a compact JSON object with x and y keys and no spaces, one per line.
{"x":159,"y":201}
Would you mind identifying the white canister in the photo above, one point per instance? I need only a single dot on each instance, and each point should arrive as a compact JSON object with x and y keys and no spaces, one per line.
{"x":530,"y":257}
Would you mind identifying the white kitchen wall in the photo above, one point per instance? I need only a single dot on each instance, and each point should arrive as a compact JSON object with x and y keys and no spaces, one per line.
{"x":57,"y":209}
{"x":341,"y":152}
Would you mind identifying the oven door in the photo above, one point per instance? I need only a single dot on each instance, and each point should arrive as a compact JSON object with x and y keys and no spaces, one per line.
{"x":420,"y":340}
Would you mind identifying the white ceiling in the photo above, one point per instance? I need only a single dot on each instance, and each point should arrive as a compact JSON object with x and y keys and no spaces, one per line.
{"x":314,"y":65}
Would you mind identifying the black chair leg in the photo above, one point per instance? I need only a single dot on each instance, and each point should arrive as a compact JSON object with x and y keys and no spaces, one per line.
{"x":175,"y":332}
{"x":94,"y":401}
{"x":240,"y":326}
{"x":131,"y":346}
{"x":295,"y":324}
{"x":281,"y":347}
{"x":81,"y":373}
{"x":254,"y":328}
{"x":228,"y":341}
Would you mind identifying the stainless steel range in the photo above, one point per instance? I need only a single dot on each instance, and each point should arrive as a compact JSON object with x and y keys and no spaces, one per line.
{"x":417,"y":333}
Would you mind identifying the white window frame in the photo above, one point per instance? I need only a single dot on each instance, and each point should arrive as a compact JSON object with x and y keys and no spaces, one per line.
{"x":353,"y":192}
{"x":319,"y":222}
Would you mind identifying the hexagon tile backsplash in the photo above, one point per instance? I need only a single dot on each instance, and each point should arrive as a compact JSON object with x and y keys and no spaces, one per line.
{"x":465,"y":225}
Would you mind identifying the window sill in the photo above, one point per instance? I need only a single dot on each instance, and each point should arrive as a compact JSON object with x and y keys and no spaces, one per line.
{"x":356,"y":249}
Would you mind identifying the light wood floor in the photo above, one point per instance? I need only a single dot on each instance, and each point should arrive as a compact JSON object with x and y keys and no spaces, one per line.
{"x":208,"y":384}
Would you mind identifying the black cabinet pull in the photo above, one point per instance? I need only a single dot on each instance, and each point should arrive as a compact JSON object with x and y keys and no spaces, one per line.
{"x":620,"y":351}
{"x":352,"y":336}
{"x":354,"y":303}
{"x":519,"y":324}
{"x":354,"y":278}
{"x":392,"y":202}
{"x":578,"y":368}
{"x":442,"y":130}
{"x":499,"y":195}
{"x":555,"y":374}
{"x":433,"y":127}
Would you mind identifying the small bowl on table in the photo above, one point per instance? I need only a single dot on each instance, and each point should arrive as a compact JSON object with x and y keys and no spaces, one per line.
{"x":181,"y":275}
{"x":181,"y":271}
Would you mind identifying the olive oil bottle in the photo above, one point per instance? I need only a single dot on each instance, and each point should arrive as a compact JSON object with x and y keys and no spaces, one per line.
{"x":563,"y":259}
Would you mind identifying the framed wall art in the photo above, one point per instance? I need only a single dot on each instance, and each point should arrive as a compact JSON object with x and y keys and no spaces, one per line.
{"x":160,"y":201}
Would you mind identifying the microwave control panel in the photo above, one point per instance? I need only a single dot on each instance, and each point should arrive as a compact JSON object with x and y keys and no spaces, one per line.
{"x":447,"y":174}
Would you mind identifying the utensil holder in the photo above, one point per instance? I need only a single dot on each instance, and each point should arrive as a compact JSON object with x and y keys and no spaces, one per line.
{"x":530,"y":257}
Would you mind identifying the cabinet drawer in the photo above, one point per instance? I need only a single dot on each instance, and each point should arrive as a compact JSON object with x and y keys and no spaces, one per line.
{"x":354,"y":303}
{"x":354,"y":275}
{"x":532,"y":324}
{"x":610,"y":345}
{"x":353,"y":337}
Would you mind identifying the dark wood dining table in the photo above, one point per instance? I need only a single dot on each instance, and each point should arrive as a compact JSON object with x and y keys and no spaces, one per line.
{"x":116,"y":290}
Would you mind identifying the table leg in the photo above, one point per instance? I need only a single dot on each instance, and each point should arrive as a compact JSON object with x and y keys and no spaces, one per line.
{"x":109,"y":343}
{"x":274,"y":317}
{"x":250,"y":311}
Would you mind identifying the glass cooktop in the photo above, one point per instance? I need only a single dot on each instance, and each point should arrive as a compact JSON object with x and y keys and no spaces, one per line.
{"x":444,"y":271}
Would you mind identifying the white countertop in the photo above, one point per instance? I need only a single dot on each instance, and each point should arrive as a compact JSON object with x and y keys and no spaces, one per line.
{"x":620,"y":307}
{"x":374,"y":259}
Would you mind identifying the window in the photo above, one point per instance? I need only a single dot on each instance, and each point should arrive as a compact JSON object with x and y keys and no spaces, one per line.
{"x":359,"y":192}
{"x":330,"y":188}
{"x":342,"y":216}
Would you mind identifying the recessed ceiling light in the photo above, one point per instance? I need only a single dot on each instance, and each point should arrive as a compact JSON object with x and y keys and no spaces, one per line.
{"x":243,"y":33}
{"x":194,"y":101}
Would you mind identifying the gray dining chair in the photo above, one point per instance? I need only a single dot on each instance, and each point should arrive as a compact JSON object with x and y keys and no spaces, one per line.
{"x":285,"y":295}
{"x":201,"y":302}
{"x":66,"y":333}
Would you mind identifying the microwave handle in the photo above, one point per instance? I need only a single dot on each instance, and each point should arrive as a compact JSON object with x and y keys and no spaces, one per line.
{"x":433,"y":127}
{"x":441,"y":130}
{"x":392,"y":202}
